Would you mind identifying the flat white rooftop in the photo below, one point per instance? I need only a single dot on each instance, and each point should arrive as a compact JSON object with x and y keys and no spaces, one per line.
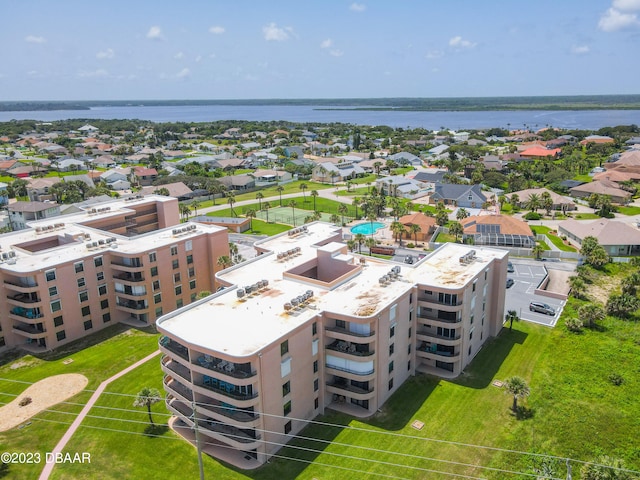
{"x":243,"y":326}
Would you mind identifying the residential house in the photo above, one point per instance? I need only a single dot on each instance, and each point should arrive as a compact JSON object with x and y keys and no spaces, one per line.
{"x":38,"y":188}
{"x":176,"y":190}
{"x":497,"y":230}
{"x":69,"y":164}
{"x":599,"y":139}
{"x":467,"y":196}
{"x":336,"y":172}
{"x":238,"y":182}
{"x":540,"y":152}
{"x":403,"y":158}
{"x":602,"y":187}
{"x":271,"y":177}
{"x":405,"y":187}
{"x":560,"y":202}
{"x":427,"y":226}
{"x":20,"y":213}
{"x":617,"y":238}
{"x":145,"y":176}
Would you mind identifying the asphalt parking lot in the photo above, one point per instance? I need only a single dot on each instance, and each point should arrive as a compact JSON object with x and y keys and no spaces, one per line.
{"x":526,"y":279}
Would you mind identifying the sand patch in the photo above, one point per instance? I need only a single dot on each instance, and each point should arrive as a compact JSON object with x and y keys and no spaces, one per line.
{"x":44,"y":394}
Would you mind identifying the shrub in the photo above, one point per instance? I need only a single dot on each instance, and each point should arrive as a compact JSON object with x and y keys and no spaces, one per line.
{"x":574,"y":325}
{"x":410,"y":245}
{"x":616,"y":379}
{"x":25,"y":401}
{"x":532,"y":216}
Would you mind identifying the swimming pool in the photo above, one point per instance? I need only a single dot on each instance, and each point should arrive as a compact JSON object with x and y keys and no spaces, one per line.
{"x":366,"y":228}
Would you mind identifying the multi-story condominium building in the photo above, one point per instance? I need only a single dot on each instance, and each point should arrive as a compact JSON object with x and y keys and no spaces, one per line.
{"x":307,"y":325}
{"x":121,"y":261}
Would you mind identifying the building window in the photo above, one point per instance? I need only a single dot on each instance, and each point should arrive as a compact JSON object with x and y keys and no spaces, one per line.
{"x":409,"y":365}
{"x":50,"y":275}
{"x":174,"y":250}
{"x":154,"y":271}
{"x":86,"y":311}
{"x":98,"y":262}
{"x":81,"y":282}
{"x":470,"y":334}
{"x":102,"y":289}
{"x":152,"y":257}
{"x":409,"y":349}
{"x":392,"y":331}
{"x":192,"y":272}
{"x":53,"y":291}
{"x":57,"y":321}
{"x":83,"y":296}
{"x":193,"y":297}
{"x":469,"y":350}
{"x":473,"y":289}
{"x":79,"y":267}
{"x":411,"y":298}
{"x":287,"y":408}
{"x":341,"y":324}
{"x":56,"y":306}
{"x":158,"y":312}
{"x":188,"y":245}
{"x":178,"y":290}
{"x":176,"y":277}
{"x":316,"y":385}
{"x":409,"y":332}
{"x":286,"y":389}
{"x":156,"y":285}
{"x":157,"y":298}
{"x":104,"y":304}
{"x":106,"y":318}
{"x":314,"y":328}
{"x":179,"y":303}
{"x":410,"y":316}
{"x":287,"y":427}
{"x":88,"y":325}
{"x":471,"y":319}
{"x":390,"y":383}
{"x":175,"y":264}
{"x":189,"y":259}
{"x":392,"y":348}
{"x":315,"y":366}
{"x":61,"y":335}
{"x":284,"y":347}
{"x":192,"y":284}
{"x":391,"y":366}
{"x":316,"y":403}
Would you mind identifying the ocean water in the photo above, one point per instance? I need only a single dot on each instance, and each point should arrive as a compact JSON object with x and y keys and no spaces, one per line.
{"x":533,"y":119}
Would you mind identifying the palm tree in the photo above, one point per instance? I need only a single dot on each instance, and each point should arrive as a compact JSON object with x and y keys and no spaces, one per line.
{"x":342,"y":210}
{"x":398,"y":229}
{"x":259,"y":197}
{"x":461,"y":214}
{"x":195,"y":205}
{"x":314,"y":194}
{"x":266,"y":208}
{"x":376,"y":167}
{"x":333,"y":174}
{"x":414,"y":229}
{"x":369,"y":243}
{"x":334,"y":218}
{"x":231,"y":199}
{"x":185,"y":210}
{"x":303,"y":187}
{"x":292,"y":204}
{"x":511,"y":316}
{"x":514,"y":201}
{"x":591,"y":314}
{"x":250,"y":214}
{"x":280,"y":189}
{"x":349,"y":185}
{"x":534,"y":202}
{"x":224,"y":261}
{"x":456,"y":229}
{"x":356,"y":202}
{"x":360,"y":239}
{"x":537,"y":250}
{"x":578,"y":286}
{"x":517,"y":387}
{"x":147,"y":397}
{"x":371,"y":216}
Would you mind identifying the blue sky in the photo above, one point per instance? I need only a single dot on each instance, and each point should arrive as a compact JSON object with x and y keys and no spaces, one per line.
{"x":139,"y":49}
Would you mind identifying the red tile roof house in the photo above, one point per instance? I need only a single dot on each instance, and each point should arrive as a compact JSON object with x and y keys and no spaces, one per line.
{"x":145,"y":176}
{"x":617,"y":238}
{"x":498,"y":230}
{"x":427,"y":226}
{"x":602,"y":187}
{"x":540,"y":152}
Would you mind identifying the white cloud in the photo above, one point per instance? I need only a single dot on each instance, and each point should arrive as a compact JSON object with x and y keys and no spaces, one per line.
{"x":336,"y":53}
{"x":626,"y":5}
{"x":34,"y":39}
{"x":274,"y":33}
{"x":580,"y":49}
{"x":101,"y":72}
{"x":216,"y":30}
{"x":178,"y":56}
{"x":459,"y":42}
{"x":433,"y":54}
{"x":613,"y":20}
{"x":155,"y":33}
{"x":198,"y":58}
{"x":357,"y":7}
{"x":108,"y":53}
{"x":184,"y":73}
{"x":326,"y":43}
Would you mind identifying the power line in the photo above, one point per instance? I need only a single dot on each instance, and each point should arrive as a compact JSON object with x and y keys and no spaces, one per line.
{"x":367,"y":430}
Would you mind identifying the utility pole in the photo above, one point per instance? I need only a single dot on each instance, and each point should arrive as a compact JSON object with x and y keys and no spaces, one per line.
{"x":195,"y":427}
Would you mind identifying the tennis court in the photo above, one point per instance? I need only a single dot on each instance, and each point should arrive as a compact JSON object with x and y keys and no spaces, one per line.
{"x":290,"y":216}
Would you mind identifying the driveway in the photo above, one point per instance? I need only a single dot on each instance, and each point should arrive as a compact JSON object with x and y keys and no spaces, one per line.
{"x":526,"y":279}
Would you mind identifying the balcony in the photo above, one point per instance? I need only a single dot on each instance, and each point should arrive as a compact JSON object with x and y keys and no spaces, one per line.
{"x":24,"y":299}
{"x":127,"y":264}
{"x":229,"y":432}
{"x":171,"y":367}
{"x":178,"y":407}
{"x":29,"y":331}
{"x":228,"y":391}
{"x":447,"y":300}
{"x":132,"y":304}
{"x":30,"y":313}
{"x":438,"y":350}
{"x":128,"y":277}
{"x":174,"y":347}
{"x":439,"y":316}
{"x":235,"y":370}
{"x":357,"y":349}
{"x":345,"y":331}
{"x":127,"y":290}
{"x":352,"y":372}
{"x":175,"y":388}
{"x":239,"y":415}
{"x":24,"y":287}
{"x":432,"y":334}
{"x":345,"y":386}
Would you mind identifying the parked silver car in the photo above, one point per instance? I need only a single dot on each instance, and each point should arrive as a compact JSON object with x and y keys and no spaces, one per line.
{"x":542,"y":308}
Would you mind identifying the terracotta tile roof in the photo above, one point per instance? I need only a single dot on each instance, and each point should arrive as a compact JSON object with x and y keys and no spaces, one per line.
{"x":418,"y":218}
{"x":539,"y":151}
{"x":508,"y":224}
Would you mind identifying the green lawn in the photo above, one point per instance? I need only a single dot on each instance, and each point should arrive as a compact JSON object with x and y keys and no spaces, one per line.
{"x":629,"y":210}
{"x":323,"y":205}
{"x":583,"y":178}
{"x":575,"y":412}
{"x":264,"y":228}
{"x":354,"y":192}
{"x":586,"y":216}
{"x":557,"y":241}
{"x":371,"y":178}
